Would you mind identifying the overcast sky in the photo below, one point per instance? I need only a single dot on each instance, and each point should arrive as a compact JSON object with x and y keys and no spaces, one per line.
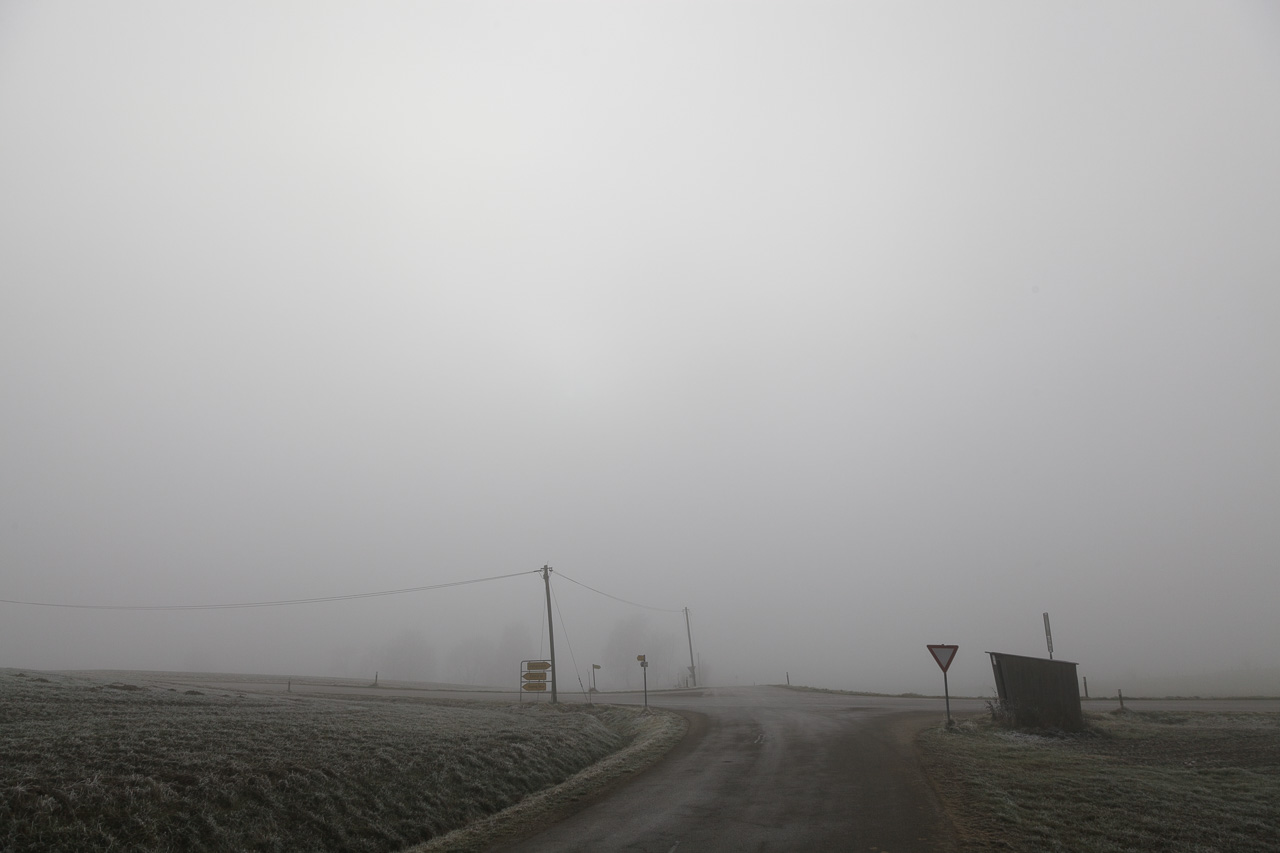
{"x":851,"y":327}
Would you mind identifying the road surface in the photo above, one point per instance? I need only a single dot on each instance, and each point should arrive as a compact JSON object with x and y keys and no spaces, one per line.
{"x":762,"y":769}
{"x":771,"y":769}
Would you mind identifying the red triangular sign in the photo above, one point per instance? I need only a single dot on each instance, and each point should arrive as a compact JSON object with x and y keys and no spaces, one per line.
{"x":943,"y":655}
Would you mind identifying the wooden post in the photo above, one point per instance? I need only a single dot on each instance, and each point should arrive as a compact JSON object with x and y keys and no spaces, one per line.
{"x":551,"y":634}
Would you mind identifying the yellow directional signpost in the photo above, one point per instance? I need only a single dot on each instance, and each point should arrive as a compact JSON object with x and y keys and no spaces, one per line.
{"x":534,"y":676}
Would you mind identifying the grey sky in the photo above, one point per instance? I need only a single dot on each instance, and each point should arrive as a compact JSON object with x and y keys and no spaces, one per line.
{"x":851,"y":327}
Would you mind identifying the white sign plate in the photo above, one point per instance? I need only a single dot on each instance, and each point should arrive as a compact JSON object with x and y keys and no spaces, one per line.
{"x":943,"y":655}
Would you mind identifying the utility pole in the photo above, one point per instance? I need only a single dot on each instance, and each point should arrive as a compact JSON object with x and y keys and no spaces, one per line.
{"x":693,"y":670}
{"x":551,"y":634}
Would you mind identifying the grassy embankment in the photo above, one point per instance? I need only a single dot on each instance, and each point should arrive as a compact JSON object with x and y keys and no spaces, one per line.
{"x":1134,"y":781}
{"x":89,"y":765}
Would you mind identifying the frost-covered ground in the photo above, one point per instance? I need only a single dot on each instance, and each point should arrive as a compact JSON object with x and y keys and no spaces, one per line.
{"x":1175,"y":781}
{"x":90,"y":764}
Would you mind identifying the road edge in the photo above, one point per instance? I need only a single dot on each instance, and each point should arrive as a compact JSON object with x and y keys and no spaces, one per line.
{"x":666,"y":731}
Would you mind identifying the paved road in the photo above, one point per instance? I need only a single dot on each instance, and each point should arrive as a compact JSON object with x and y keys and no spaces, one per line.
{"x":770,"y":769}
{"x":762,"y":769}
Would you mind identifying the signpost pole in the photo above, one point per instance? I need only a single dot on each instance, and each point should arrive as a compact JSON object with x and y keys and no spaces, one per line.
{"x":946,"y":691}
{"x":644,"y":668}
{"x":944,"y":654}
{"x":1048,"y":635}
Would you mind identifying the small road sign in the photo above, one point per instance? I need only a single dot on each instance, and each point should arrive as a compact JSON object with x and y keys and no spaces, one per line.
{"x":535,"y":675}
{"x":943,"y":655}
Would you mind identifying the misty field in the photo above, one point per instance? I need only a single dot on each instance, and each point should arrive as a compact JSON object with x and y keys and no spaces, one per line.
{"x":90,"y":765}
{"x":1134,"y":781}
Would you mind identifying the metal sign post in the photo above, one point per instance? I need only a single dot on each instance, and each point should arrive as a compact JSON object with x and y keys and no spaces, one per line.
{"x":644,"y":667}
{"x":1048,"y":635}
{"x":944,"y":655}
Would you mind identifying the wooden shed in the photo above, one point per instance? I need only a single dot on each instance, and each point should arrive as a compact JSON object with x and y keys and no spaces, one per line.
{"x":1038,"y":693}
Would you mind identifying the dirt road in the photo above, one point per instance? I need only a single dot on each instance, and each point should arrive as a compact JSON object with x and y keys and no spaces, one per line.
{"x":769,"y":769}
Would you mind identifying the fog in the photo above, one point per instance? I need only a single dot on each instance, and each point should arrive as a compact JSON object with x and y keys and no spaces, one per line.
{"x":848,"y":327}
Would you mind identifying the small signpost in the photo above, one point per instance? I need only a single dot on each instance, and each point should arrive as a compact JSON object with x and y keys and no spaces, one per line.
{"x":944,"y":655}
{"x":644,"y":667}
{"x":534,"y":675}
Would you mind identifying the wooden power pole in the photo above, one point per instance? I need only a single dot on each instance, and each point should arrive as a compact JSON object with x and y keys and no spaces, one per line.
{"x":551,"y":634}
{"x":693,"y":670}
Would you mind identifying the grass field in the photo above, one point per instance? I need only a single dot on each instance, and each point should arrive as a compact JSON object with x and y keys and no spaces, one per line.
{"x":1134,"y":781}
{"x":89,"y":765}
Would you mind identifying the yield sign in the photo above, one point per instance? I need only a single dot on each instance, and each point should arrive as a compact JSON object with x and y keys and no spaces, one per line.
{"x":943,"y":655}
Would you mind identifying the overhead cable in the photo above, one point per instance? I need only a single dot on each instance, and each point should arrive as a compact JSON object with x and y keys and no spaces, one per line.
{"x":564,"y":629}
{"x":281,"y":603}
{"x":615,"y":598}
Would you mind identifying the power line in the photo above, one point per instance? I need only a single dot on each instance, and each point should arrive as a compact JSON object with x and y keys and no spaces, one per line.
{"x":281,"y":603}
{"x":615,"y":598}
{"x":565,"y":630}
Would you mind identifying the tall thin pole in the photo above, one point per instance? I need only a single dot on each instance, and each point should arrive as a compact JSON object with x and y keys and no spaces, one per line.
{"x":551,"y":634}
{"x":693,"y":670}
